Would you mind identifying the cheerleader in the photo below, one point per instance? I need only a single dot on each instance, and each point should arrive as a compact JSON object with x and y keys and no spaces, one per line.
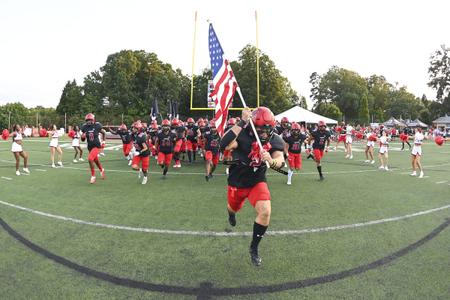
{"x":17,"y":150}
{"x":416,"y":152}
{"x":76,"y":144}
{"x":371,"y":138}
{"x":348,"y":141}
{"x":54,"y":147}
{"x":383,"y":151}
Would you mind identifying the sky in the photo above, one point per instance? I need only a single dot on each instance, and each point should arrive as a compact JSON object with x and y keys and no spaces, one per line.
{"x":45,"y":43}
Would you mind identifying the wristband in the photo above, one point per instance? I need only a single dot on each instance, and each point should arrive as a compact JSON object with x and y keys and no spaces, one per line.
{"x":241,"y":123}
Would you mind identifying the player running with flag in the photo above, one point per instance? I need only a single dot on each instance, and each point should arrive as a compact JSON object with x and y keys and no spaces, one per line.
{"x":254,"y":148}
{"x":91,"y":131}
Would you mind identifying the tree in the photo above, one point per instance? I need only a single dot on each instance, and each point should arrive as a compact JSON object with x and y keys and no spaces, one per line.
{"x":329,"y":110}
{"x":439,"y":72}
{"x":344,"y":88}
{"x":380,"y":92}
{"x":275,"y":90}
{"x":71,"y":98}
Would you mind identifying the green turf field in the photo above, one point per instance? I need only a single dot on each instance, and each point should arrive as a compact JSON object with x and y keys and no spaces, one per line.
{"x":203,"y":262}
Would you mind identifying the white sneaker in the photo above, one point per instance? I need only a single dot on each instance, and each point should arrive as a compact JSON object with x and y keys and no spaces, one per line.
{"x":60,"y":163}
{"x":92,"y":179}
{"x":81,"y":159}
{"x":413,"y":174}
{"x":130,"y":162}
{"x":347,"y":156}
{"x":18,"y":173}
{"x":288,"y":183}
{"x":421,"y":175}
{"x":372,"y":162}
{"x":386,"y":168}
{"x":227,"y":171}
{"x":367,"y":161}
{"x":53,"y":166}
{"x":144,"y":180}
{"x":75,"y":161}
{"x":102,"y":153}
{"x":351,"y":157}
{"x":26,"y":170}
{"x":381,"y":168}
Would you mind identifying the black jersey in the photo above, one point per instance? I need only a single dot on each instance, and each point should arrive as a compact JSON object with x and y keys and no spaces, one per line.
{"x":166,"y":142}
{"x":320,"y":138}
{"x":140,"y":139}
{"x":125,"y":135}
{"x":92,"y":131}
{"x":180,"y":132}
{"x":250,"y":170}
{"x":295,"y":142}
{"x":212,"y":142}
{"x":191,"y":133}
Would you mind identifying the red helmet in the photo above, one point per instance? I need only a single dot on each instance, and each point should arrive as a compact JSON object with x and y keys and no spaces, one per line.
{"x":200,"y":120}
{"x":262,"y":116}
{"x":212,"y":124}
{"x":175,"y":122}
{"x":154,"y":122}
{"x":322,"y":123}
{"x":232,"y":121}
{"x":123,"y":127}
{"x":285,"y":120}
{"x":90,"y":116}
{"x":190,"y":120}
{"x":295,"y":126}
{"x":165,"y":122}
{"x":201,"y":124}
{"x":154,"y":125}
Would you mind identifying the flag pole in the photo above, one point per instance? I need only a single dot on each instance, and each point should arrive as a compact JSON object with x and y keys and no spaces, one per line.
{"x":238,"y":89}
{"x":257,"y":58}
{"x":193,"y":59}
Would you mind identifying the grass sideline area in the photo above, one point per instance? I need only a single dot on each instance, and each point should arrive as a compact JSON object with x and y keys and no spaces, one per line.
{"x":353,"y":192}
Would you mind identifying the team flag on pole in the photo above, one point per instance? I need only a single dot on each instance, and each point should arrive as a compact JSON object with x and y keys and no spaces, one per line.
{"x":225,"y":83}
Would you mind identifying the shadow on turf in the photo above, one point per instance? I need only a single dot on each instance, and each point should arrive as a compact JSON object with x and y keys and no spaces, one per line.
{"x":206,"y":290}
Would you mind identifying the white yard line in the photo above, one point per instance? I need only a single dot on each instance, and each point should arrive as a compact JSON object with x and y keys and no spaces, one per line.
{"x":6,"y":178}
{"x":226,"y":234}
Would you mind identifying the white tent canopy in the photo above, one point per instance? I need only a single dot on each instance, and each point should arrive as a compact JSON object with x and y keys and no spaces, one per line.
{"x":298,"y":114}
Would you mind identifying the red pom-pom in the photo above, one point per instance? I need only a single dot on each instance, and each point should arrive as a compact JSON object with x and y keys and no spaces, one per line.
{"x":43,"y":132}
{"x":359,"y":135}
{"x":71,"y":134}
{"x":83,"y":137}
{"x":5,"y":134}
{"x":439,"y":140}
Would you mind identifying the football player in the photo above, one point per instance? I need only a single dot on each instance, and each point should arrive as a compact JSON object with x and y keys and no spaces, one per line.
{"x":293,"y":149}
{"x":127,"y":144}
{"x":191,"y":142}
{"x":212,"y":150}
{"x":91,"y":131}
{"x":141,"y":155}
{"x":165,"y":143}
{"x":321,"y":137}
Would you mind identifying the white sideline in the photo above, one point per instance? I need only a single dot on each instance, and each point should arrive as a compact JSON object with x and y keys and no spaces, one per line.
{"x":226,"y":234}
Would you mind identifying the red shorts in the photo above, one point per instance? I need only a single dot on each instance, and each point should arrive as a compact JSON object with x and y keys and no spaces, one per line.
{"x":318,"y":154}
{"x":127,"y":148}
{"x":164,"y":158}
{"x":178,"y":146}
{"x":191,"y":146}
{"x":138,"y":159}
{"x":93,"y":154}
{"x":236,"y":196}
{"x":403,"y":137}
{"x":341,"y":138}
{"x":227,"y":154}
{"x":212,"y":157}
{"x":295,"y":160}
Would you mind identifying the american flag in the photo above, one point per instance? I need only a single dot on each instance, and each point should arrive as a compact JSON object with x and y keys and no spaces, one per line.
{"x":225,"y":83}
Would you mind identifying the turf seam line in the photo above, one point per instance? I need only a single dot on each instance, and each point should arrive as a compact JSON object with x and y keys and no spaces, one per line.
{"x":206,"y":289}
{"x":225,"y":234}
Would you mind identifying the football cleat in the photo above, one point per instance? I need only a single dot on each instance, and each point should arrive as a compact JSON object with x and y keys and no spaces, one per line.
{"x":130,"y":162}
{"x":256,"y":260}
{"x":92,"y":180}
{"x":232,"y":219}
{"x":144,"y":180}
{"x":207,"y":178}
{"x":322,"y":178}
